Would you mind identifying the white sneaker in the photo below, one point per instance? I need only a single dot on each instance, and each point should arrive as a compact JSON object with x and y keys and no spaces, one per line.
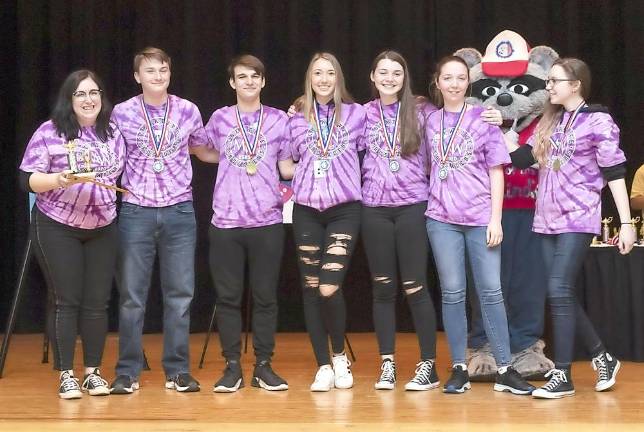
{"x":343,"y":376}
{"x":323,"y":379}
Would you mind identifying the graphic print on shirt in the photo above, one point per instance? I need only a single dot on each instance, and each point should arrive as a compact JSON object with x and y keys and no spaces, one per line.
{"x":171,"y":142}
{"x":235,"y":147}
{"x":337,"y":143}
{"x":94,"y":156}
{"x":562,"y":147}
{"x":377,"y":141}
{"x":462,"y":151}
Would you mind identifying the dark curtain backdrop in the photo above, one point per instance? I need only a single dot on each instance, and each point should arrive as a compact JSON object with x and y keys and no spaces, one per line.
{"x":42,"y":41}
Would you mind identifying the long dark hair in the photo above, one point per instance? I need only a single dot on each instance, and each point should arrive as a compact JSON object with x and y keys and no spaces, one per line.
{"x":409,"y":135}
{"x":63,"y":115}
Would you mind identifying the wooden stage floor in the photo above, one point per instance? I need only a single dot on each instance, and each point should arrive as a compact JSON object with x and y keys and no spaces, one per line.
{"x":29,"y":401}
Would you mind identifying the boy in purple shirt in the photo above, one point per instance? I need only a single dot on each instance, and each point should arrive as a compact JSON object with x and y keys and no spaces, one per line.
{"x":157,"y":216}
{"x":72,"y":223}
{"x":248,"y":141}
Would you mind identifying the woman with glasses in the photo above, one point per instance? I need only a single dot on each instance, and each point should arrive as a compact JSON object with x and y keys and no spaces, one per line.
{"x":72,"y":163}
{"x":577,"y":149}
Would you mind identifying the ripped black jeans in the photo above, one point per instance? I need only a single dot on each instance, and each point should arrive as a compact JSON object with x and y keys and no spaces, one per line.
{"x":395,"y":242}
{"x":325,"y":242}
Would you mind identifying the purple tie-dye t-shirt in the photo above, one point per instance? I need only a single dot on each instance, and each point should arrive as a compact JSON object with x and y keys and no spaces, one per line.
{"x":340,"y":181}
{"x":170,"y":183}
{"x":464,"y":197}
{"x":382,"y":187}
{"x":241,"y":199}
{"x":569,"y":199}
{"x":82,"y":205}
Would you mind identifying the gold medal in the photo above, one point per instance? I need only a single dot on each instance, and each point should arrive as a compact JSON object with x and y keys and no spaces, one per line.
{"x":251,"y":168}
{"x":556,"y":164}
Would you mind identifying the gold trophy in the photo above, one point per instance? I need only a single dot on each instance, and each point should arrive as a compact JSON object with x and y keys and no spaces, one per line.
{"x":606,"y":229}
{"x":71,"y":155}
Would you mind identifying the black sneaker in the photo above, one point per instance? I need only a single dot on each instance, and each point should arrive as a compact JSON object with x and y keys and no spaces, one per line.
{"x":426,"y":377}
{"x":459,"y":381}
{"x":183,"y":382}
{"x":560,"y":385}
{"x":511,"y":381}
{"x":387,"y":380}
{"x":232,"y":380}
{"x":69,"y":388}
{"x":123,"y":384}
{"x":265,"y":377}
{"x":94,"y":384}
{"x":607,"y":367}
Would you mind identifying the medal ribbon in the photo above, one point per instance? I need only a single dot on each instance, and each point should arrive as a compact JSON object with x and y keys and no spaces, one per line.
{"x":324,"y":143}
{"x":390,"y":139}
{"x":573,"y":117}
{"x":569,"y":123}
{"x":250,"y":148}
{"x":148,"y":121}
{"x":444,"y":150}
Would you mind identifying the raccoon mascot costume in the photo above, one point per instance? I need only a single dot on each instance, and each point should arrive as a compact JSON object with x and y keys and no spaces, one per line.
{"x":510,"y":77}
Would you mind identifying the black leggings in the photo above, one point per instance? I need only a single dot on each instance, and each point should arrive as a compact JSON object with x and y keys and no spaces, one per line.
{"x":78,"y":265}
{"x":395,"y":240}
{"x":231,"y":250}
{"x":325,"y":242}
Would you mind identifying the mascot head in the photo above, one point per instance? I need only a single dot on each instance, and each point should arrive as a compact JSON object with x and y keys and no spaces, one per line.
{"x":510,"y":77}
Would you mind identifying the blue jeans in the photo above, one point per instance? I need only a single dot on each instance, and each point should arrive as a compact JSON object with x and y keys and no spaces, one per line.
{"x":564,"y":256}
{"x":523,"y":282}
{"x":144,"y":231}
{"x":450,"y":243}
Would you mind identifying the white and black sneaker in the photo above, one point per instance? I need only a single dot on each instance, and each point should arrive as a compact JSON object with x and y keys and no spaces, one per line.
{"x":94,"y":384}
{"x":232,"y":380}
{"x":426,"y":377}
{"x":511,"y":381}
{"x":69,"y":388}
{"x":265,"y":377}
{"x":183,"y":382}
{"x":560,"y":385}
{"x":123,"y":384}
{"x":387,"y":380}
{"x":459,"y":381}
{"x":607,"y":367}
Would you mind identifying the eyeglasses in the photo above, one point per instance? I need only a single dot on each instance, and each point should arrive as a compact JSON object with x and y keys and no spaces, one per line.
{"x":554,"y":81}
{"x":93,"y":94}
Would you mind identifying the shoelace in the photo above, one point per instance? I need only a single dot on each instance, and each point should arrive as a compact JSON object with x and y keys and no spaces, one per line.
{"x":388,"y":371}
{"x":423,"y":370}
{"x":599,"y":364}
{"x":341,"y":365}
{"x":94,"y":380}
{"x":557,"y":377}
{"x":69,"y":383}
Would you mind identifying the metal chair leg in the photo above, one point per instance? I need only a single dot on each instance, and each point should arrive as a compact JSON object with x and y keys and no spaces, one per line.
{"x":346,"y":339}
{"x":205,"y":342}
{"x":11,"y":319}
{"x":248,"y":323}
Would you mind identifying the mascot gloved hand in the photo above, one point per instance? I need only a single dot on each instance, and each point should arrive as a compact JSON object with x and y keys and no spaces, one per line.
{"x":511,"y":78}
